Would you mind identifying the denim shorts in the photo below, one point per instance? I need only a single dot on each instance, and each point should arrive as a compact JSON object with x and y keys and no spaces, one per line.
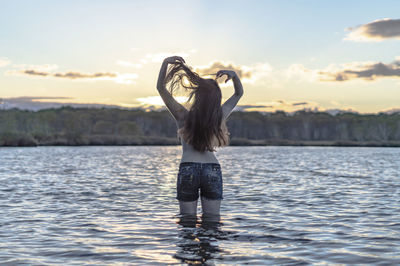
{"x":195,"y":176}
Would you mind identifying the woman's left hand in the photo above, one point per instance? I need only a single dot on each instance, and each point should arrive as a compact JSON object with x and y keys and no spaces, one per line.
{"x":173,"y":59}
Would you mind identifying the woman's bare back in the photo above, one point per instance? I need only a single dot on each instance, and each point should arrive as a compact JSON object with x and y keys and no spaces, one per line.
{"x":189,"y":154}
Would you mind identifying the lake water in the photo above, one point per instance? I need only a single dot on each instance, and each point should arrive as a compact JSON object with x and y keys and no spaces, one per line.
{"x":282,"y":205}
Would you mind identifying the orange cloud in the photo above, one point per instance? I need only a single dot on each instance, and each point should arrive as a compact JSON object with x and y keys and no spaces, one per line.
{"x":248,"y":74}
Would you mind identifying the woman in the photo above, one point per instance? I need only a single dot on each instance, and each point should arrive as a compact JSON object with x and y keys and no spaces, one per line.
{"x":201,"y":128}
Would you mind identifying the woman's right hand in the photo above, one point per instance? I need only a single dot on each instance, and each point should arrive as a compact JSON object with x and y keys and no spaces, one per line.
{"x":231,"y":74}
{"x":173,"y":59}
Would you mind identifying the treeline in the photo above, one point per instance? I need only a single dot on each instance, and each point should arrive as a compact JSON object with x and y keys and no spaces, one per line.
{"x":89,"y":126}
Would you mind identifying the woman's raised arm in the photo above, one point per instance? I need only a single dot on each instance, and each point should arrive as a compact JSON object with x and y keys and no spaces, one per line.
{"x":228,"y":106}
{"x":176,"y":109}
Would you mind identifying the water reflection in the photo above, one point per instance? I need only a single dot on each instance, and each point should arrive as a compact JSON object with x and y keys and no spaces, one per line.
{"x":198,"y":238}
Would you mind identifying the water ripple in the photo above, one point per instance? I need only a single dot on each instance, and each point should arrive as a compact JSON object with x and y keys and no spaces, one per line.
{"x":282,"y":205}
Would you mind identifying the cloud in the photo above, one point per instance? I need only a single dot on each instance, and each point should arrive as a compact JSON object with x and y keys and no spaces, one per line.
{"x":253,"y":107}
{"x":300,"y":73}
{"x":282,"y":105}
{"x":78,"y":75}
{"x":248,"y":74}
{"x":249,"y":106}
{"x":39,"y":103}
{"x":34,"y":73}
{"x":35,"y":98}
{"x":367,"y":71}
{"x":4,"y":61}
{"x":377,"y":30}
{"x":156,"y":102}
{"x":68,"y":75}
{"x":299,"y":103}
{"x":213,"y":67}
{"x":125,"y":78}
{"x":393,"y":110}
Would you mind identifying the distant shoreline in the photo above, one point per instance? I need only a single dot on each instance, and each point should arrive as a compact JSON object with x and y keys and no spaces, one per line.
{"x":157,"y":141}
{"x":114,"y":127}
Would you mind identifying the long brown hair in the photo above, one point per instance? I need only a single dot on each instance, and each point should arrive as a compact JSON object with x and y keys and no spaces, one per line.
{"x":203,"y":127}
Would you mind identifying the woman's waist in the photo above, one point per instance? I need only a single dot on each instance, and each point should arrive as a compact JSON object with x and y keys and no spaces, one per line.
{"x":200,"y":164}
{"x":206,"y":157}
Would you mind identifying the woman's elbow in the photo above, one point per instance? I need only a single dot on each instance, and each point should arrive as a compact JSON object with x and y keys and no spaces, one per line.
{"x":239,"y":94}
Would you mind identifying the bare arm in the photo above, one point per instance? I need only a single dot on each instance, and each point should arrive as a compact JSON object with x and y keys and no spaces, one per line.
{"x":230,"y":104}
{"x":176,"y":109}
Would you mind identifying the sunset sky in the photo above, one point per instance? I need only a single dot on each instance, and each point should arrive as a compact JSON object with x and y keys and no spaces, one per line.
{"x":290,"y":54}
